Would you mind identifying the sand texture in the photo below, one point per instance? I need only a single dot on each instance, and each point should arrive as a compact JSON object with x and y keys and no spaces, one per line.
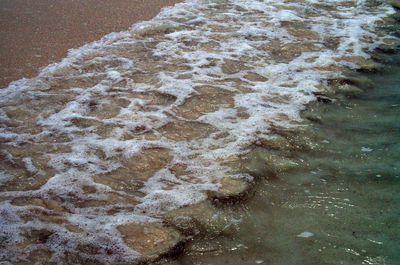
{"x":35,"y":33}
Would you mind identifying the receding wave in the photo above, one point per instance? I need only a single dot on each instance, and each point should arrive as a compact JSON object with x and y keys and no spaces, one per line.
{"x":96,"y":149}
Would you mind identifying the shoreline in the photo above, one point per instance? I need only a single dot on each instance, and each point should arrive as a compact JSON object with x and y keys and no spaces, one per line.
{"x":268,"y":158}
{"x":35,"y":34}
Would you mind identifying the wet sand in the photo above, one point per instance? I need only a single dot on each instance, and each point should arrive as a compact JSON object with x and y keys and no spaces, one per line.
{"x":35,"y":33}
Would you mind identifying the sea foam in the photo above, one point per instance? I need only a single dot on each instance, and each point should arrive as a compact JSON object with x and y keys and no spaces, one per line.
{"x":148,"y":120}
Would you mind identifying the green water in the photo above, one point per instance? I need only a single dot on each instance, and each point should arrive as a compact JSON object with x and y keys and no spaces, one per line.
{"x":345,"y":191}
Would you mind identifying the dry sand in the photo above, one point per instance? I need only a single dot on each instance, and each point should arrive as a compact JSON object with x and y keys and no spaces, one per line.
{"x":35,"y":33}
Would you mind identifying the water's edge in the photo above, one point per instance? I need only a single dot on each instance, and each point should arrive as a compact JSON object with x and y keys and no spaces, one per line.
{"x":177,"y":157}
{"x":280,"y":168}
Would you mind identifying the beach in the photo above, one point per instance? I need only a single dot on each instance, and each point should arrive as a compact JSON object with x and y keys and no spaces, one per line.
{"x":34,"y":34}
{"x":217,"y":132}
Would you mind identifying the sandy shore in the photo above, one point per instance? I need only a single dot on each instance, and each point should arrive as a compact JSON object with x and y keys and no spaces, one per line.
{"x":35,"y":33}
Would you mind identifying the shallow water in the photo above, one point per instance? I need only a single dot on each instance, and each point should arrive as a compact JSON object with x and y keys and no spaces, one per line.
{"x":340,"y":205}
{"x":133,"y":145}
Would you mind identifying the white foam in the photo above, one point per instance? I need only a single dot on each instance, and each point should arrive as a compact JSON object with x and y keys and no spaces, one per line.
{"x":305,"y":234}
{"x":237,"y":32}
{"x":366,"y":149}
{"x":114,"y":75}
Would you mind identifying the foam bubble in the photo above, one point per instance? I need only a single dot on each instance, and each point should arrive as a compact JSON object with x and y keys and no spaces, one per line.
{"x":305,"y":234}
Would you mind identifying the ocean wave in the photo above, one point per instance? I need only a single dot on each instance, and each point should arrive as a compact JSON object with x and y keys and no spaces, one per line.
{"x":148,"y":120}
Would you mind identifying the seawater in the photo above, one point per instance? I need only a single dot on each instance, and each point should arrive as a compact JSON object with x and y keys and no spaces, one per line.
{"x":133,"y":146}
{"x":340,"y":205}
